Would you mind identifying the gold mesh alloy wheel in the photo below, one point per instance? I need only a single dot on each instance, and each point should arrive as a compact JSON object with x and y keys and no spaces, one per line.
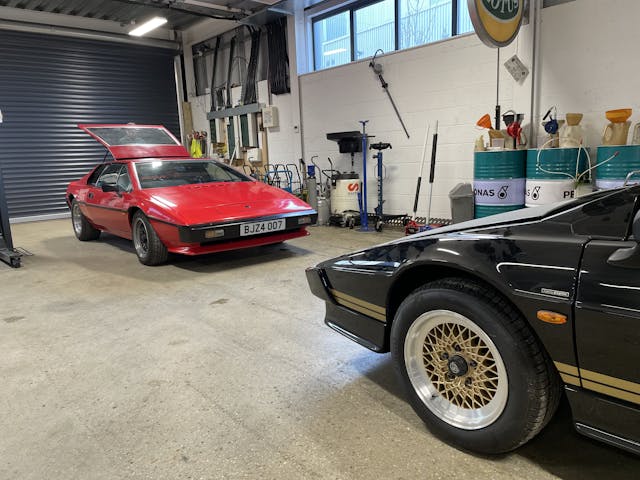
{"x":473,"y":389}
{"x":456,"y":369}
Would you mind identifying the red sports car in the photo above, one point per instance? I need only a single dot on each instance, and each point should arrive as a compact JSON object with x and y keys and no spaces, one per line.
{"x":156,"y":195}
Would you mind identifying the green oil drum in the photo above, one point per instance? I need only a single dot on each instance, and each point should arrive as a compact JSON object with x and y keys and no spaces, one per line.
{"x":552,"y":179}
{"x":498,"y":181}
{"x":613,"y":173}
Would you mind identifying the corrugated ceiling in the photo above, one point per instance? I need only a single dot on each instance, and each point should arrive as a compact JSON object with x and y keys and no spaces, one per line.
{"x":181,"y":14}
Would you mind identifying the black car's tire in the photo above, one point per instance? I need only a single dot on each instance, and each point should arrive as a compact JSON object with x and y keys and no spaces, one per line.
{"x":149,"y":248}
{"x":81,"y":227}
{"x":472,"y":368}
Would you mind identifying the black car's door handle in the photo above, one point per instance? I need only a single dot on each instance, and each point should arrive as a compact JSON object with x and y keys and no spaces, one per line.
{"x":90,"y":195}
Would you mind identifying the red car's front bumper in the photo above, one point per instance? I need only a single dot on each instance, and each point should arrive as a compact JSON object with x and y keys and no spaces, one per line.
{"x":198,"y":249}
{"x":191,"y":240}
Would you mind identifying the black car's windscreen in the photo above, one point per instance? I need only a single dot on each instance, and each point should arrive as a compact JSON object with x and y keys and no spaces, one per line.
{"x":174,"y":173}
{"x":133,"y":136}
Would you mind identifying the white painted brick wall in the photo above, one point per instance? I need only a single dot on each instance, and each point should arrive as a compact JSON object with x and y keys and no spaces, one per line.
{"x":590,"y":60}
{"x":452,"y":82}
{"x":589,"y":64}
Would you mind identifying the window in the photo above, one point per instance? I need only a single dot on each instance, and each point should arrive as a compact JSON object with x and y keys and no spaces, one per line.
{"x":124,"y":181}
{"x":132,"y":135}
{"x":96,"y":173}
{"x":359,"y":30}
{"x":174,"y":173}
{"x":109,"y":175}
{"x":375,"y":28}
{"x":464,"y":20}
{"x":424,"y":21}
{"x":608,"y":217}
{"x":332,"y":40}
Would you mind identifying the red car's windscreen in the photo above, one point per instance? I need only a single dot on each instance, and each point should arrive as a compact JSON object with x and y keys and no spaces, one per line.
{"x":173,"y":173}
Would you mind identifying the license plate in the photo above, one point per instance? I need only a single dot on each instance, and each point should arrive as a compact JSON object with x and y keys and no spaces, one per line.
{"x":256,"y":228}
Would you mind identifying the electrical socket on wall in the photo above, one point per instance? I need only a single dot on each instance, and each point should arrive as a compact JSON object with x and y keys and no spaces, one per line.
{"x":517,"y":69}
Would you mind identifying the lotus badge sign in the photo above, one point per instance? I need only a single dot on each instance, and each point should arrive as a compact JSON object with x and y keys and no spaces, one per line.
{"x":496,"y":22}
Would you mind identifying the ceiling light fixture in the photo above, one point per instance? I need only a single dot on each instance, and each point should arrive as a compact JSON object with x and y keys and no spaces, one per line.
{"x":146,"y":27}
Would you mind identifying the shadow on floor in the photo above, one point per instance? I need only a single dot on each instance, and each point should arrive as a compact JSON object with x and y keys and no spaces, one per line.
{"x":111,"y":262}
{"x":558,"y":448}
{"x":214,"y":262}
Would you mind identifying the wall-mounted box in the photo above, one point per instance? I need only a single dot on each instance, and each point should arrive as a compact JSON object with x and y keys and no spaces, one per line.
{"x":270,"y":117}
{"x":254,"y":155}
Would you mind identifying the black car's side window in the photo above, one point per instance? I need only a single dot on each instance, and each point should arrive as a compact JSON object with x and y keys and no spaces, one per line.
{"x":636,"y":214}
{"x":109,"y":175}
{"x":608,"y":217}
{"x":93,"y":178}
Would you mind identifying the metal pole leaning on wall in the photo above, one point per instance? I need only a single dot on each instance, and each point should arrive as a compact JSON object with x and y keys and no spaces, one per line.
{"x":535,"y":21}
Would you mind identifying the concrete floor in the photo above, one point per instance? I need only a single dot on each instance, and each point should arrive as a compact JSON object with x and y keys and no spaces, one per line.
{"x":217,"y":367}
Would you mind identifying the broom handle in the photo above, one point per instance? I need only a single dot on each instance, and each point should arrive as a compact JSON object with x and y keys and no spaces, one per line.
{"x":424,"y":156}
{"x":432,"y":172}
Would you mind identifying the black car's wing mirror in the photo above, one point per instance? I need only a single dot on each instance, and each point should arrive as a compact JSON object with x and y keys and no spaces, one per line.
{"x":628,"y":257}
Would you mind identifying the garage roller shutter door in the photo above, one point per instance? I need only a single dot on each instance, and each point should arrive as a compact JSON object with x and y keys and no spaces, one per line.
{"x":49,"y":84}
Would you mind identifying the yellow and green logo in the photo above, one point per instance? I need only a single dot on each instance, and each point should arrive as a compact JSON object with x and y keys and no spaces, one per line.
{"x":496,"y":22}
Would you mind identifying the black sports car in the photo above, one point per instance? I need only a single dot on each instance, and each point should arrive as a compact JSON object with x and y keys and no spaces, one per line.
{"x":488,"y":319}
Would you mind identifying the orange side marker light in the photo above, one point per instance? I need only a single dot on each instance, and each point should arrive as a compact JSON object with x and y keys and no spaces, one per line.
{"x":552,"y":317}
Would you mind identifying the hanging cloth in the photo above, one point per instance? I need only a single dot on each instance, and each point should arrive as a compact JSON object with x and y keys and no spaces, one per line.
{"x":196,"y":150}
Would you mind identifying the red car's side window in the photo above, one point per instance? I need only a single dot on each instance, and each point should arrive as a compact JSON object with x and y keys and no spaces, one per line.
{"x":93,"y":178}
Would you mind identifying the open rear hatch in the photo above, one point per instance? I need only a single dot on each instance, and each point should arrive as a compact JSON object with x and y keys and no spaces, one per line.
{"x":131,"y":141}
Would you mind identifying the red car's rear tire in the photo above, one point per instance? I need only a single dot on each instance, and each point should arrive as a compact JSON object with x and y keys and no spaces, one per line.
{"x":149,"y":248}
{"x":81,"y":227}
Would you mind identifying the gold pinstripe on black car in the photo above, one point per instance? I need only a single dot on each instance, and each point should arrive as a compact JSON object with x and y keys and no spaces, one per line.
{"x":361,"y":306}
{"x":599,"y":382}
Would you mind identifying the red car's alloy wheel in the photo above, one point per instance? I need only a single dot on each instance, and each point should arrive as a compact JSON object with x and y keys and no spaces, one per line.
{"x":81,"y":227}
{"x":149,"y":248}
{"x":140,"y":237}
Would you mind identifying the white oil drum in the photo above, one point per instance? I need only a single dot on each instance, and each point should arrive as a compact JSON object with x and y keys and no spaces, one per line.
{"x":344,"y":196}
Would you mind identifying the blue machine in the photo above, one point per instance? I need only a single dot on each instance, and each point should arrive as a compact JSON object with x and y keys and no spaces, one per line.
{"x":362,"y":194}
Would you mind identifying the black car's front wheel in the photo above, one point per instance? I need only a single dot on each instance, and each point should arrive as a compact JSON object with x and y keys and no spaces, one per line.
{"x":149,"y":248}
{"x":81,"y":227}
{"x":473,"y":370}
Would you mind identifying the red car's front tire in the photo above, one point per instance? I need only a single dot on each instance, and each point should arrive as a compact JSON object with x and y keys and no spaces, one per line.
{"x":149,"y":248}
{"x":81,"y":227}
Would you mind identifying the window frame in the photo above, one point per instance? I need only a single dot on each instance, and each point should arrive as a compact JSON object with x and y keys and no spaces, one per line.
{"x":359,"y":4}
